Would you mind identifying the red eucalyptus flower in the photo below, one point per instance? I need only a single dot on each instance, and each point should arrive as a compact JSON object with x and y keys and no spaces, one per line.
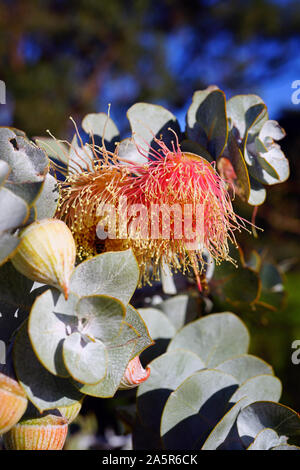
{"x":169,"y":209}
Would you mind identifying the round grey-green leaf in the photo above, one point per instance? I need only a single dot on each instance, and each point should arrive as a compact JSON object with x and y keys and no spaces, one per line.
{"x":4,"y":172}
{"x":194,"y":409}
{"x":168,"y":371}
{"x":8,"y":246}
{"x":102,"y":125}
{"x":224,"y":427}
{"x":85,"y":361}
{"x":53,"y":148}
{"x":100,"y":317}
{"x":266,"y":439}
{"x":113,"y":273}
{"x":266,"y":414}
{"x":244,"y":367}
{"x":134,"y":319}
{"x":180,"y":310}
{"x":13,"y":210}
{"x":160,"y":329}
{"x":206,"y":120}
{"x":119,"y":354}
{"x":50,"y":319}
{"x":150,"y":120}
{"x":257,"y":192}
{"x":211,"y":338}
{"x":261,"y":387}
{"x":47,"y":201}
{"x":46,"y":391}
{"x":158,"y":324}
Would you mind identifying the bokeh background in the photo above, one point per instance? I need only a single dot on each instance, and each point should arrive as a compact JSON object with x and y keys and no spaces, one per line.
{"x":63,"y":58}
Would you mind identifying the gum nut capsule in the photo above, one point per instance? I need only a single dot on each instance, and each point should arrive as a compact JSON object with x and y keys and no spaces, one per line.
{"x":134,"y":374}
{"x":46,"y":433}
{"x":13,"y":402}
{"x":47,"y":254}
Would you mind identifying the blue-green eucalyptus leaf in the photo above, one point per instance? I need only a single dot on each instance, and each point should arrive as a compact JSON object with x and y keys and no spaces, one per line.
{"x":211,"y":338}
{"x":236,"y":158}
{"x":100,"y":317}
{"x":13,"y":210}
{"x":285,"y":447}
{"x":160,"y":329}
{"x":168,"y":371}
{"x":120,"y":352}
{"x":127,"y":150}
{"x":258,"y":388}
{"x":221,"y":432}
{"x":46,"y":202}
{"x":113,"y":273}
{"x":80,"y":157}
{"x":167,"y":279}
{"x":257,"y":193}
{"x":180,"y":309}
{"x":158,"y":324}
{"x":247,"y":113}
{"x":194,"y":409}
{"x":269,"y":166}
{"x":54,"y":148}
{"x":102,"y":125}
{"x":46,"y":391}
{"x":51,"y":319}
{"x":278,"y":162}
{"x":150,"y":120}
{"x":244,"y":367}
{"x":8,"y":246}
{"x":266,"y":439}
{"x":271,"y":130}
{"x":86,"y":361}
{"x":206,"y":120}
{"x":266,"y":414}
{"x":4,"y":172}
{"x":145,"y":340}
{"x":71,"y":337}
{"x":28,"y":164}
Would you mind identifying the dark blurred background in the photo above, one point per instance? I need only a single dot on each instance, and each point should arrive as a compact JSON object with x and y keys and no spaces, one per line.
{"x":67,"y":58}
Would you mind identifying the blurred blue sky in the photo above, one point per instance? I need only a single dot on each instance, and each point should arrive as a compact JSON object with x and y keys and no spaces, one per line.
{"x":258,"y":62}
{"x":274,"y":86}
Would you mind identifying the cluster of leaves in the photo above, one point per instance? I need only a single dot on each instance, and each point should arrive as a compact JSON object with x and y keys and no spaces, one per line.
{"x":252,"y":285}
{"x":66,"y":349}
{"x":62,"y":349}
{"x":26,"y":185}
{"x":236,"y":134}
{"x":206,"y":391}
{"x":239,"y":137}
{"x":28,"y":192}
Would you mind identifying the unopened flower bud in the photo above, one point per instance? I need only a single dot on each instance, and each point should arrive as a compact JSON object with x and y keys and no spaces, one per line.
{"x":47,"y":253}
{"x":13,"y":402}
{"x":134,"y":374}
{"x":46,"y":433}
